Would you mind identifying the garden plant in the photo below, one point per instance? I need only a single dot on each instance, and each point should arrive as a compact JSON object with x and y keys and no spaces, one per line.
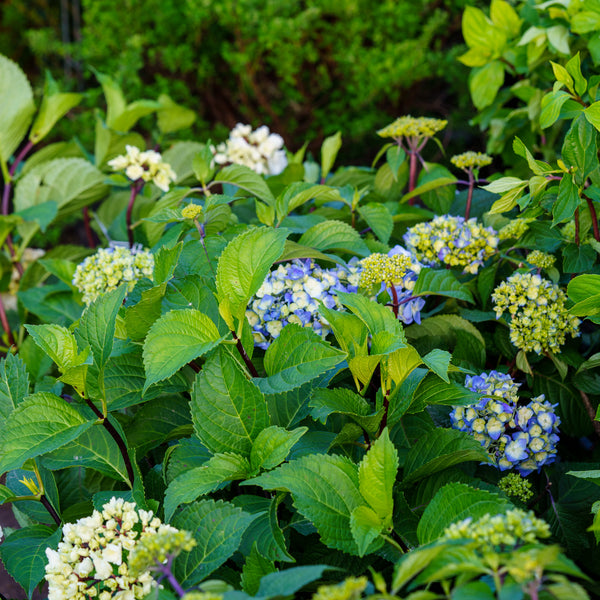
{"x":231,"y":370}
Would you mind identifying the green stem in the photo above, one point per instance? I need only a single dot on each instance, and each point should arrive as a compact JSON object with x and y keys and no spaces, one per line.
{"x":393,"y":543}
{"x":469,"y":194}
{"x":135,"y":188}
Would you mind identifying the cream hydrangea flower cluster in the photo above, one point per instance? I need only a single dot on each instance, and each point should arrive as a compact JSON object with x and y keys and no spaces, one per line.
{"x":512,"y":529}
{"x":521,"y":437}
{"x":105,"y":270}
{"x":412,"y":127}
{"x":539,"y":319}
{"x":540,"y":259}
{"x":452,"y":241}
{"x":152,"y":551}
{"x":92,"y":558}
{"x":397,"y":272}
{"x":260,"y":150}
{"x":291,"y":294}
{"x":145,"y":166}
{"x":470,"y":160}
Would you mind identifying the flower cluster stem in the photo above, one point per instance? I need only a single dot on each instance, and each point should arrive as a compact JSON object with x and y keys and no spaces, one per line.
{"x":135,"y":189}
{"x":44,"y":500}
{"x":6,"y":325}
{"x":244,"y":355}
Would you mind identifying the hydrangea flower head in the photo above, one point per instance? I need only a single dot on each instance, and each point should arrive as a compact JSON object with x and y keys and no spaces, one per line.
{"x":539,"y":319}
{"x":92,"y":558}
{"x":259,"y":149}
{"x":470,"y":160}
{"x":521,"y":437}
{"x":105,"y":270}
{"x":413,"y":127}
{"x":397,"y":272}
{"x":540,"y":259}
{"x":144,"y":166}
{"x":452,"y":241}
{"x":504,"y":531}
{"x":516,"y":486}
{"x":351,"y":588}
{"x":191,"y":211}
{"x":291,"y":294}
{"x":516,"y":229}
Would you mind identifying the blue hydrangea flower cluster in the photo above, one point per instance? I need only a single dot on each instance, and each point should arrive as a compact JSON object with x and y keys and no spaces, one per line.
{"x":453,"y":241}
{"x":521,"y":437}
{"x":399,"y":269}
{"x":291,"y":294}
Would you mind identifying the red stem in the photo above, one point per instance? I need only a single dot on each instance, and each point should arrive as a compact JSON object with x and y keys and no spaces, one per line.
{"x":469,"y":194}
{"x":135,"y":188}
{"x":412,"y":177}
{"x":5,"y":324}
{"x":88,"y":230}
{"x":245,"y":357}
{"x":592,"y":208}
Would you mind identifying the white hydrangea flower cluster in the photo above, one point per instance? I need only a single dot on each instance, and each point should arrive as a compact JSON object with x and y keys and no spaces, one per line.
{"x":517,"y":437}
{"x":539,"y":318}
{"x":91,"y":560}
{"x":291,"y":294}
{"x":105,"y":270}
{"x":399,"y":269}
{"x":513,"y":528}
{"x":453,"y":241}
{"x":145,"y":166}
{"x":260,"y":150}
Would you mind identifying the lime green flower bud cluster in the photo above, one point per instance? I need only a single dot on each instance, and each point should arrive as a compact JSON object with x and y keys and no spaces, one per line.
{"x":541,"y":260}
{"x":516,"y":486}
{"x":92,"y":559}
{"x":452,"y":241}
{"x":380,"y":268}
{"x":516,"y":229}
{"x":350,"y":589}
{"x":191,"y":211}
{"x":539,"y":320}
{"x":153,"y":550}
{"x":413,"y":127}
{"x":470,"y":160}
{"x":144,"y":166}
{"x":202,"y":596}
{"x":514,"y":528}
{"x":109,"y":267}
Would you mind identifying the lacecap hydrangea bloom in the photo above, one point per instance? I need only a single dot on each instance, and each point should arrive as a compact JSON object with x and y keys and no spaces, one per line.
{"x":260,"y":150}
{"x":471,"y":160}
{"x":540,"y":259}
{"x":412,"y":127}
{"x":517,"y":436}
{"x":539,"y":319}
{"x":105,"y":270}
{"x":397,"y":272}
{"x":92,"y":558}
{"x":504,"y":531}
{"x":453,"y":241}
{"x":291,"y":294}
{"x":144,"y":166}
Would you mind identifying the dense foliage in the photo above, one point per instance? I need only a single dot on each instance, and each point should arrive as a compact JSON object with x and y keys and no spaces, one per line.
{"x":256,"y":374}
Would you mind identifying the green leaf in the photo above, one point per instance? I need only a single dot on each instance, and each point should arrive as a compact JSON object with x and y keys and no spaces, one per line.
{"x":300,"y":192}
{"x":244,"y":265}
{"x":174,"y":340}
{"x":579,"y":149}
{"x":334,"y":235}
{"x":272,"y":446}
{"x":551,"y":105}
{"x":485,"y":82}
{"x":592,"y":114}
{"x":296,"y":357}
{"x":329,"y":150}
{"x":228,"y":411}
{"x":454,"y":502}
{"x":172,"y":116}
{"x":434,"y":391}
{"x":140,"y":317}
{"x":41,"y":423}
{"x":23,"y":553}
{"x":16,"y":99}
{"x":439,"y":449}
{"x":14,"y":385}
{"x":379,"y":219}
{"x":578,"y":259}
{"x":480,"y":32}
{"x":255,"y":567}
{"x":563,"y":76}
{"x":376,"y":477}
{"x":573,"y":67}
{"x":55,"y":106}
{"x":217,"y":528}
{"x":59,"y":344}
{"x":585,"y":21}
{"x":440,"y":283}
{"x":428,"y":186}
{"x":246,"y":179}
{"x":325,"y":490}
{"x":439,"y":362}
{"x":567,"y":201}
{"x":538,"y":167}
{"x":366,"y":527}
{"x":504,"y":16}
{"x":202,"y":480}
{"x":264,"y":531}
{"x":97,"y":324}
{"x":287,"y":582}
{"x":412,"y":563}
